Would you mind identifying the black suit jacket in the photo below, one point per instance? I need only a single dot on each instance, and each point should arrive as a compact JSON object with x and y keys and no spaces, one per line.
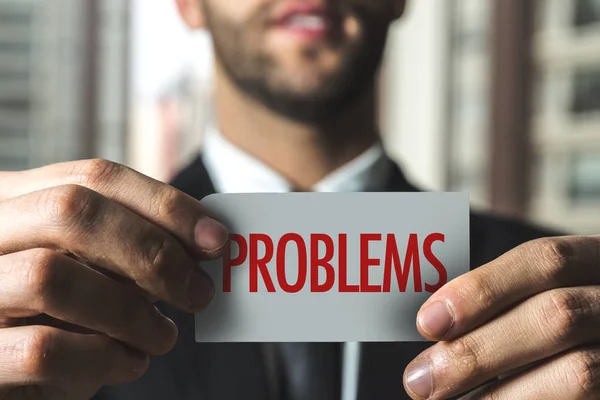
{"x":194,"y":371}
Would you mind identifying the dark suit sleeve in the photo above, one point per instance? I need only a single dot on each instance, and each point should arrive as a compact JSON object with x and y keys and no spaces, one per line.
{"x":492,"y":236}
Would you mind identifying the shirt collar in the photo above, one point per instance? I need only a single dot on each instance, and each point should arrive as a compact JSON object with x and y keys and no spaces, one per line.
{"x":234,"y":171}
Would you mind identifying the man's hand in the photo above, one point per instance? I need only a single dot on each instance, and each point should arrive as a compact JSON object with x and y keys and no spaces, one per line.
{"x":530,"y":318}
{"x":66,"y":327}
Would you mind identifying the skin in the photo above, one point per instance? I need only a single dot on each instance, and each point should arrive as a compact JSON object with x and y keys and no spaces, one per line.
{"x":285,"y":140}
{"x":116,"y":241}
{"x":529,"y":318}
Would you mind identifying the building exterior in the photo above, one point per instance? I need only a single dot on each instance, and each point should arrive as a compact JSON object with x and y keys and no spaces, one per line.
{"x":520,"y":86}
{"x":436,"y":99}
{"x":63,"y":81}
{"x":16,"y":20}
{"x":469,"y":109}
{"x":497,"y":98}
{"x":566,"y":118}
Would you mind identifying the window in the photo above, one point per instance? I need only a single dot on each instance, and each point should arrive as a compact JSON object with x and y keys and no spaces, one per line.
{"x":9,"y":104}
{"x":13,"y":132}
{"x":586,"y":91}
{"x":47,"y":113}
{"x":587,"y":12}
{"x":15,"y":75}
{"x":10,"y":48}
{"x":469,"y":106}
{"x":12,"y":163}
{"x":585,"y":179}
{"x":567,"y":116}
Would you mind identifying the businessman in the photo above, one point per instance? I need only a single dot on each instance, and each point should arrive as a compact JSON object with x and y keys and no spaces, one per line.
{"x":87,"y":248}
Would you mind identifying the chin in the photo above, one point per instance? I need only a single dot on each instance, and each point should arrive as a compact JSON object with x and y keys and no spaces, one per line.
{"x":305,"y":85}
{"x":307,"y":77}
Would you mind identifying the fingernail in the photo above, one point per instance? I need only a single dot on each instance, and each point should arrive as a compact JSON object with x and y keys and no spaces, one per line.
{"x":166,"y":331}
{"x":140,"y":362}
{"x":210,"y":234}
{"x":437,"y":319}
{"x":201,"y":290}
{"x":419,"y":379}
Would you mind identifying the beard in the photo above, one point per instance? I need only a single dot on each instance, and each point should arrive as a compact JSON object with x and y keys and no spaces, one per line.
{"x":324,"y":94}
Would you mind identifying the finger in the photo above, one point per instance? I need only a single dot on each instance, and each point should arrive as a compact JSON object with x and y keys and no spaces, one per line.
{"x":165,"y":206}
{"x":479,"y":296}
{"x":539,"y":328}
{"x":42,"y":281}
{"x":574,"y":375}
{"x":105,"y":234}
{"x":40,"y":355}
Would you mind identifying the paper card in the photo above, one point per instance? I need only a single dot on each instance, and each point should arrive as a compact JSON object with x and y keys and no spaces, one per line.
{"x":332,"y":267}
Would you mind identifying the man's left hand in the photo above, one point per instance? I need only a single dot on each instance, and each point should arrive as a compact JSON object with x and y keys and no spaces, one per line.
{"x":531,"y":319}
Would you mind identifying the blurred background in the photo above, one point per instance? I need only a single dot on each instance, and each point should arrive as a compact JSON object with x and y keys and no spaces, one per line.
{"x":500,"y":98}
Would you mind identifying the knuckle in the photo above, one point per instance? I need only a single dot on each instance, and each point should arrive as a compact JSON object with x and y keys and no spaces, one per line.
{"x":479,"y":291}
{"x":69,"y":206}
{"x":555,"y":253}
{"x":565,"y":311}
{"x":582,"y":374}
{"x":95,"y":172}
{"x":156,"y":256}
{"x":466,"y":356}
{"x":40,"y":273}
{"x":165,"y":204}
{"x":39,"y":352}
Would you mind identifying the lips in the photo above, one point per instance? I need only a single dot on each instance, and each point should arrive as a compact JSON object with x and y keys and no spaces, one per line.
{"x":308,"y":20}
{"x":305,"y":21}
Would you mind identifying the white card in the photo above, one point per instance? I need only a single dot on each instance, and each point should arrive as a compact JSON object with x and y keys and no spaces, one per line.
{"x":331,"y":267}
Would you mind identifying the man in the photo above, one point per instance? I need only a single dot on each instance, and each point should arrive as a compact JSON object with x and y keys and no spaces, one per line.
{"x":86,"y":247}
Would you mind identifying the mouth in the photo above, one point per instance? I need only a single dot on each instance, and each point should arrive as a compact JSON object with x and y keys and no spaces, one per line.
{"x":310,"y":22}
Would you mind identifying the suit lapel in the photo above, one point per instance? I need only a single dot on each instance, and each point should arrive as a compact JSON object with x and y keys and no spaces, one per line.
{"x":382,"y":364}
{"x":397,"y":182}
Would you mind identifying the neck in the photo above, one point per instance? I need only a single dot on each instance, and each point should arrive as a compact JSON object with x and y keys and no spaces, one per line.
{"x":288,"y":146}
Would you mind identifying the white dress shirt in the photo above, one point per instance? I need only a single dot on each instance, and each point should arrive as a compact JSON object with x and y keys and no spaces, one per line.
{"x":234,"y":171}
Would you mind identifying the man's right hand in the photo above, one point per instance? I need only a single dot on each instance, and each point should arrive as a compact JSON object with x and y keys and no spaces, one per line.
{"x":85,"y":247}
